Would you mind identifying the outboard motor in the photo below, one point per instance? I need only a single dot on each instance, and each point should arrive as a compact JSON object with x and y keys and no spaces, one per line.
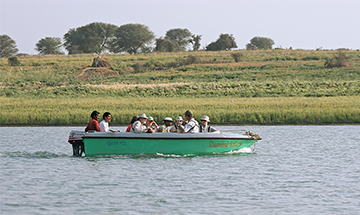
{"x":75,"y":139}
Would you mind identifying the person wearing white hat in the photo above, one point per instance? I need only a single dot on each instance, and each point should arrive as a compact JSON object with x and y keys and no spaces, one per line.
{"x":140,"y":125}
{"x":166,"y":127}
{"x":178,"y":123}
{"x":205,"y":128}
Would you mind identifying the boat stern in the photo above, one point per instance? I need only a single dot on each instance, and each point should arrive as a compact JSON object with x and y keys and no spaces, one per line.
{"x":75,"y":139}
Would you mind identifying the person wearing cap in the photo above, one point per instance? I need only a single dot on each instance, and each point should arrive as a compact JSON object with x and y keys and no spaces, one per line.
{"x":205,"y":128}
{"x":166,"y":127}
{"x":139,"y":126}
{"x":178,"y":123}
{"x":192,"y":126}
{"x":151,"y":125}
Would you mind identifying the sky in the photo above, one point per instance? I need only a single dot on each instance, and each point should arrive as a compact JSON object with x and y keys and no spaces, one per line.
{"x":299,"y":24}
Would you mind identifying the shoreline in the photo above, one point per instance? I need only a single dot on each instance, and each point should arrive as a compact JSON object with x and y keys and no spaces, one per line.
{"x":116,"y":125}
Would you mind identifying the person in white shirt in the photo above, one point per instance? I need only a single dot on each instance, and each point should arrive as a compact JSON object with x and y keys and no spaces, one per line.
{"x":140,"y":125}
{"x":104,"y":124}
{"x":192,"y":126}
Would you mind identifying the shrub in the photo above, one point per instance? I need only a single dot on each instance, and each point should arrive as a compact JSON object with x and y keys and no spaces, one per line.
{"x":21,"y":54}
{"x":237,"y":56}
{"x":35,"y":64}
{"x":138,"y":67}
{"x":190,"y":59}
{"x":119,"y":66}
{"x":312,"y":57}
{"x":153,"y":64}
{"x":13,"y":61}
{"x":340,"y":60}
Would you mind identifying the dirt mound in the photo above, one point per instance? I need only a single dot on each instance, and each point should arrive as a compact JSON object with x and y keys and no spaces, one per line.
{"x":101,"y":62}
{"x":96,"y":73}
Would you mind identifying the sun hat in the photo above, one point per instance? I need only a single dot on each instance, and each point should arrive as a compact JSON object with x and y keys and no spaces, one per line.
{"x":168,"y":119}
{"x":205,"y":118}
{"x":142,"y":115}
{"x":179,"y":118}
{"x":150,"y":118}
{"x":189,"y":113}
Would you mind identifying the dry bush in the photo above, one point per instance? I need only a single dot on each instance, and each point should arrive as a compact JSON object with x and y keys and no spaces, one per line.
{"x":339,"y":60}
{"x":13,"y":61}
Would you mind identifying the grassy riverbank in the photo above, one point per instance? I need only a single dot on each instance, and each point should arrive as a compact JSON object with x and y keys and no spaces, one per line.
{"x":225,"y":110}
{"x":238,"y":87}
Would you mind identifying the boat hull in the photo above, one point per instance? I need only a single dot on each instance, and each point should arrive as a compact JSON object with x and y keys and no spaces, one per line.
{"x":163,"y":143}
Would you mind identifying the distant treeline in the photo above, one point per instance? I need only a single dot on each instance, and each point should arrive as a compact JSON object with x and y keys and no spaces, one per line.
{"x":98,"y":37}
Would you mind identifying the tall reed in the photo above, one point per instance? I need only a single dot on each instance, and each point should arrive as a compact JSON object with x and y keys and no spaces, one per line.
{"x":269,"y":111}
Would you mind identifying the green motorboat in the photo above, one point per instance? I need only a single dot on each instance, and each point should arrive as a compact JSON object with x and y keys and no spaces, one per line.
{"x":129,"y":143}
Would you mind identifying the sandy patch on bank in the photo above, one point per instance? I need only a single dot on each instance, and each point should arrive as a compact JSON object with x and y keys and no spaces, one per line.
{"x":127,"y":86}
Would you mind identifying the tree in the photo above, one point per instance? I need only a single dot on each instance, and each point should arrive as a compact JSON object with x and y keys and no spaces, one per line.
{"x":131,"y":38}
{"x":225,"y":42}
{"x":181,"y":37}
{"x":165,"y":45}
{"x":260,"y":43}
{"x":7,"y":46}
{"x":49,"y":45}
{"x":92,"y":38}
{"x":195,"y":41}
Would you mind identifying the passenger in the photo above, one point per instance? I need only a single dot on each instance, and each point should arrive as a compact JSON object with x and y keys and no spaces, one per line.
{"x":192,"y":126}
{"x":140,"y":125}
{"x":131,"y":123}
{"x":151,"y":125}
{"x":178,"y":123}
{"x":205,"y":128}
{"x":93,"y":125}
{"x":166,"y":127}
{"x":104,"y":124}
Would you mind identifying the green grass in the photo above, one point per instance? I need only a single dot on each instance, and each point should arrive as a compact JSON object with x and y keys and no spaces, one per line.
{"x":257,"y":68}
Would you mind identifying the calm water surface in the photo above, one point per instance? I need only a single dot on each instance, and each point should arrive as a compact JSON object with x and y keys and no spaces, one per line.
{"x":294,"y":170}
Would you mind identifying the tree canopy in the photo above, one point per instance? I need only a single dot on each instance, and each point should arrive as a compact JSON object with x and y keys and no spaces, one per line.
{"x":181,"y":37}
{"x":92,"y":38}
{"x":131,"y":38}
{"x":225,"y":42}
{"x":49,"y":45}
{"x":165,"y":45}
{"x":7,"y":46}
{"x":260,"y":43}
{"x":195,"y":41}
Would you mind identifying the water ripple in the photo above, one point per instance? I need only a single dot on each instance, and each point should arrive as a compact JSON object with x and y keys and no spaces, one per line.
{"x":38,"y":154}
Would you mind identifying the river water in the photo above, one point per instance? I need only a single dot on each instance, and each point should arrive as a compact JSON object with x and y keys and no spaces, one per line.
{"x":294,"y":170}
